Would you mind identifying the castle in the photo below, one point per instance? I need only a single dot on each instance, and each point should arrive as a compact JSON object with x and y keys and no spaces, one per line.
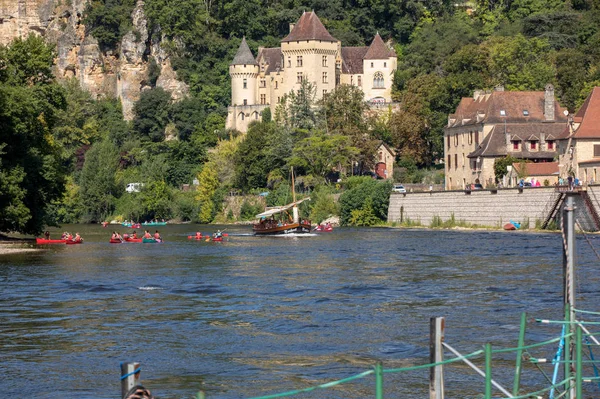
{"x":310,"y":53}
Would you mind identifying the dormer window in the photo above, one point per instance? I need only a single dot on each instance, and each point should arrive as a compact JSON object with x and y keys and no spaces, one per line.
{"x":502,"y":112}
{"x":533,"y":145}
{"x":525,"y":112}
{"x":515,"y":144}
{"x":550,"y":144}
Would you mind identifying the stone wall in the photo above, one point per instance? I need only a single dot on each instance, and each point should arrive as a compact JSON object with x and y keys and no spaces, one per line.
{"x":490,"y":208}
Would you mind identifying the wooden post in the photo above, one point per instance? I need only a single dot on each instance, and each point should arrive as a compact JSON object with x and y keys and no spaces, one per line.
{"x":130,"y":376}
{"x":436,"y":355}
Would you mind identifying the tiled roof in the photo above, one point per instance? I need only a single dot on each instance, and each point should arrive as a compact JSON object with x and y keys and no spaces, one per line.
{"x":589,"y":116}
{"x":271,"y":57}
{"x":352,"y":59}
{"x":244,"y":55}
{"x":378,"y":50}
{"x":538,"y":168}
{"x":309,"y":27}
{"x":494,"y":144}
{"x":517,"y":106}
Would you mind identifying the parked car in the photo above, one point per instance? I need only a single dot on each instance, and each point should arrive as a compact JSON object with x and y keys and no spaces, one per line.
{"x":134,"y":187}
{"x":398,"y":188}
{"x":477,"y":186}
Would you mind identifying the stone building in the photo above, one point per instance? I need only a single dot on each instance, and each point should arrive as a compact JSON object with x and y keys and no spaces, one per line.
{"x":310,"y":53}
{"x":384,"y":161}
{"x":488,"y":126}
{"x":580,"y":142}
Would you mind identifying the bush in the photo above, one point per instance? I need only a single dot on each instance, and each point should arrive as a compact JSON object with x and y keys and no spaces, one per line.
{"x":248,"y":210}
{"x":378,"y":192}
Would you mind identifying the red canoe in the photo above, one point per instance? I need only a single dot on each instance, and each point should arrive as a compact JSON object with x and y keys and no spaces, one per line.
{"x":133,"y":239}
{"x":509,"y":226}
{"x":70,"y":242}
{"x":115,"y":241}
{"x":44,"y":241}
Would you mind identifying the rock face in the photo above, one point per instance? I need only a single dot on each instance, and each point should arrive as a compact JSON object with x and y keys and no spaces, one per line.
{"x":122,"y":74}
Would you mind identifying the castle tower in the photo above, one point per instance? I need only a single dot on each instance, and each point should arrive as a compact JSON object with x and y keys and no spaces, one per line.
{"x":243,"y":71}
{"x":309,"y":52}
{"x":379,"y":66}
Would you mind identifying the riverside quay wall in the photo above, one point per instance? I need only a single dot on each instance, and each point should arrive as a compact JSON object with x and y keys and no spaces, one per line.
{"x":489,"y":208}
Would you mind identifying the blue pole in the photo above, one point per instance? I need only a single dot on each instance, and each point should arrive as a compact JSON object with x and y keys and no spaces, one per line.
{"x":556,"y":360}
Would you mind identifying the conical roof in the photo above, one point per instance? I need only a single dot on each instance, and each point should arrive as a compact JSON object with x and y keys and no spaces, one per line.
{"x":378,"y":50}
{"x":309,"y":27}
{"x":244,"y":55}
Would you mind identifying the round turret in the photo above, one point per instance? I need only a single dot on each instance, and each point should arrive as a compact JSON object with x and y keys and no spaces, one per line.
{"x":244,"y":72}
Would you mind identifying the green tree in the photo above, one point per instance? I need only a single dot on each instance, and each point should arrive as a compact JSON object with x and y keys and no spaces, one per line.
{"x":207,"y":188}
{"x":108,"y":21}
{"x":97,"y":181}
{"x":500,"y":165}
{"x":375,"y":194}
{"x":151,"y":114}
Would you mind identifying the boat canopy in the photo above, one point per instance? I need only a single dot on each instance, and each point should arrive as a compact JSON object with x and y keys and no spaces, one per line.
{"x":279,"y":209}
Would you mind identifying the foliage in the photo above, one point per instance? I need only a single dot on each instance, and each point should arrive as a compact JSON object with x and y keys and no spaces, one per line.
{"x":32,"y":169}
{"x":152,"y":114}
{"x":248,"y":210}
{"x":378,"y":194}
{"x":500,"y":165}
{"x":365,"y":216}
{"x":323,"y":204}
{"x":207,"y":188}
{"x":108,"y":21}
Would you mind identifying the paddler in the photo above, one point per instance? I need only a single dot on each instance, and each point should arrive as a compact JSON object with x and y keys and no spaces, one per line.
{"x":198,"y":234}
{"x":77,"y":237}
{"x":134,"y":234}
{"x":147,"y":234}
{"x":156,"y":235}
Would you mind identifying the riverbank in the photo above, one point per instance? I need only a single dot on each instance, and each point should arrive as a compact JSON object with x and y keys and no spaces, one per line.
{"x":16,"y":245}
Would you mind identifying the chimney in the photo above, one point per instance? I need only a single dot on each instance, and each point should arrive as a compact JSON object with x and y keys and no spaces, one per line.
{"x":477,"y":94}
{"x":549,"y":102}
{"x":292,"y":27}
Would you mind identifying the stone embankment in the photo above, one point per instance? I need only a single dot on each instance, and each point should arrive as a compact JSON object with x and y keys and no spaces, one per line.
{"x":487,"y":208}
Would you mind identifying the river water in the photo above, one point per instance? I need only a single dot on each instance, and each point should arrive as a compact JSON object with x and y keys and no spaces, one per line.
{"x":260,"y":315}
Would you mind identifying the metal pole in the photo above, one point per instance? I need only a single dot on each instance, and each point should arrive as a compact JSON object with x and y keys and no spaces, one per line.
{"x":130,"y":376}
{"x":488,"y":371}
{"x":378,"y":381}
{"x":570,"y":289}
{"x":579,"y":368}
{"x":436,"y":355}
{"x":520,"y":354}
{"x":568,"y":354}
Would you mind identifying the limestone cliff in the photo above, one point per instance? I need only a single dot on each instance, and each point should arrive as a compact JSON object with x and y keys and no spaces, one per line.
{"x":120,"y":74}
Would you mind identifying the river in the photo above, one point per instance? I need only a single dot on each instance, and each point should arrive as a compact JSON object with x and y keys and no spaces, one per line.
{"x":259,"y":315}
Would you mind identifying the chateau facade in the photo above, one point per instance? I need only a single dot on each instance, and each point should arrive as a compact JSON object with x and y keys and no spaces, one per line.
{"x":523,"y":124}
{"x":310,"y":53}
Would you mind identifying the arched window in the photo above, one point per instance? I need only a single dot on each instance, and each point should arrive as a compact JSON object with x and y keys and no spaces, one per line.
{"x":241,"y":115}
{"x":378,"y":82}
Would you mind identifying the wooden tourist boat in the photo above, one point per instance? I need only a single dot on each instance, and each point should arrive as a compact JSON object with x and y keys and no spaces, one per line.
{"x":277,"y":220}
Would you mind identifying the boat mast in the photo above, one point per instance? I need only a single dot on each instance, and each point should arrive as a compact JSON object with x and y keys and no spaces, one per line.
{"x":295,"y":208}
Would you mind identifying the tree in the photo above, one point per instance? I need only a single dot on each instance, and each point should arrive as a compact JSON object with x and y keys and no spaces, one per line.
{"x":500,"y":165}
{"x":151,"y":114}
{"x":33,"y":173}
{"x":208,"y":182}
{"x":372,"y":193}
{"x":97,"y":180}
{"x":320,"y":153}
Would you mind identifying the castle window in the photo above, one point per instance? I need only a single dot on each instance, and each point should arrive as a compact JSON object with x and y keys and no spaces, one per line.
{"x":299,"y":61}
{"x":448,"y":142}
{"x":241,"y":115}
{"x":455,"y":161}
{"x":449,"y":162}
{"x":324,"y":92}
{"x":596,"y":150}
{"x":533,"y":145}
{"x":324,"y":77}
{"x":385,"y":64}
{"x":289,"y":62}
{"x":276,"y":84}
{"x":359,"y":81}
{"x":245,"y":83}
{"x":263,"y":83}
{"x":245,"y":102}
{"x":515,"y":144}
{"x":378,"y":82}
{"x":299,"y":77}
{"x":324,"y":60}
{"x":256,"y":115}
{"x":351,"y":80}
{"x":263,"y":99}
{"x":476,"y":137}
{"x":372,"y":64}
{"x":550,"y":144}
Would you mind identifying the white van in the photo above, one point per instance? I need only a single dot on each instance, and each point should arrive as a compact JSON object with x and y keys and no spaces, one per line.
{"x":134,"y":187}
{"x":398,"y":188}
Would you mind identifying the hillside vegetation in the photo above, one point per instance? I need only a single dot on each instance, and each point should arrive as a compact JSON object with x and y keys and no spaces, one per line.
{"x":445,"y":51}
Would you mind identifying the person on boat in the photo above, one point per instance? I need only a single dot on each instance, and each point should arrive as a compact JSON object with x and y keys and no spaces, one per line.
{"x":157,"y":235}
{"x":77,"y":238}
{"x":147,"y":234}
{"x":328,"y":225}
{"x":218,"y":234}
{"x":134,"y":234}
{"x":47,"y":235}
{"x":198,"y":234}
